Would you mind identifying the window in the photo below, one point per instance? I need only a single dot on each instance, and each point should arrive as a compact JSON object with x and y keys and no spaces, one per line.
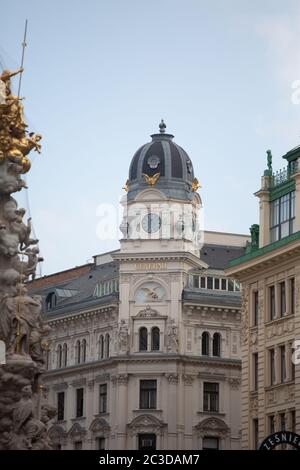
{"x":65,"y":355}
{"x":155,"y":339}
{"x":217,"y":344}
{"x":60,"y":406}
{"x":272,"y":302}
{"x":292,"y":295}
{"x":272,"y":366}
{"x":211,"y":396}
{"x":148,"y":394}
{"x":282,"y":422}
{"x":78,"y":445}
{"x":282,"y":364}
{"x":196,"y":282}
{"x":147,"y":441}
{"x":79,"y":402}
{"x":83,"y":350}
{"x":78,"y":352}
{"x":143,"y":339}
{"x":107,"y":345}
{"x":292,"y":362}
{"x":203,"y":282}
{"x":255,"y":371}
{"x":282,"y":299}
{"x":282,"y":216}
{"x":209,"y":283}
{"x":59,"y":356}
{"x":101,"y":347}
{"x":271,"y":424}
{"x":255,"y":433}
{"x":205,"y":344}
{"x":100,"y":443}
{"x":210,"y":443}
{"x":255,"y":308}
{"x":230,"y":285}
{"x":224,"y":284}
{"x":217,"y":283}
{"x":103,"y":398}
{"x":51,"y":300}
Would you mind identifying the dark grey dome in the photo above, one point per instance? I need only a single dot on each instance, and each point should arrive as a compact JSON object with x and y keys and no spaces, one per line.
{"x":162,"y":156}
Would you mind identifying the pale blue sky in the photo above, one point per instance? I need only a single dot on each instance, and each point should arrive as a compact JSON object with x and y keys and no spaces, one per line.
{"x":100,"y":74}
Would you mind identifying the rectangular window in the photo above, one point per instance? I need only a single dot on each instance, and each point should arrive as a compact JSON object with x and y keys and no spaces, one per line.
{"x":292,"y":295}
{"x":282,"y":299}
{"x":209,"y":283}
{"x":103,"y":398}
{"x":282,"y":364}
{"x":271,"y":424}
{"x":237,"y":286}
{"x":147,"y":442}
{"x":210,"y":443}
{"x":230,"y":285}
{"x":210,"y":396}
{"x":148,"y":391}
{"x":272,"y":366}
{"x":255,"y":434}
{"x":282,"y":421}
{"x":224,"y":284}
{"x":203,"y":282}
{"x":78,"y":445}
{"x":282,"y":217}
{"x":61,"y":406}
{"x":292,"y":363}
{"x":272,"y":302}
{"x":79,"y":402}
{"x":217,"y":283}
{"x":196,"y":282}
{"x":100,"y":443}
{"x":255,"y":371}
{"x":255,"y":308}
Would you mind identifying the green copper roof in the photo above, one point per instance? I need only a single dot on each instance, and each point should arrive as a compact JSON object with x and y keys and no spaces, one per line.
{"x":266,"y":249}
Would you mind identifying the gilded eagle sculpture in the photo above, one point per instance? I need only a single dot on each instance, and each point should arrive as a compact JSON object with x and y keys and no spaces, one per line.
{"x":195,"y":185}
{"x":151,"y":180}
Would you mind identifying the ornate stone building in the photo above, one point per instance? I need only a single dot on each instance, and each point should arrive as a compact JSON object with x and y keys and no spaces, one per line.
{"x":269,"y":271}
{"x":144,"y":349}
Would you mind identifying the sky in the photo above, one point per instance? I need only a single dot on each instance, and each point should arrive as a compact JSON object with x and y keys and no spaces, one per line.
{"x":99,"y":76}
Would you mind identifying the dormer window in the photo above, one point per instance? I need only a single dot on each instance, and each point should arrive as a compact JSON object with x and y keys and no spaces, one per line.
{"x":282,"y":217}
{"x":51,"y":301}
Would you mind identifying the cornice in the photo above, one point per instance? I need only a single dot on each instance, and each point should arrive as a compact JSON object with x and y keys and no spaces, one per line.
{"x":67,"y":317}
{"x":154,"y":256}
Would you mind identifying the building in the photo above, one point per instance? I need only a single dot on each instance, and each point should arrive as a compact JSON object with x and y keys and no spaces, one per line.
{"x":144,"y":351}
{"x":269,"y":272}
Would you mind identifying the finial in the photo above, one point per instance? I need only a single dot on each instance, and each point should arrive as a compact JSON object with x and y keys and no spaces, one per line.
{"x":162,"y":127}
{"x":269,"y":160}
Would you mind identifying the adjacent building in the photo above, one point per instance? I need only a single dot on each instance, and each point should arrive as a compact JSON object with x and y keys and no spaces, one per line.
{"x":269,"y":272}
{"x":144,"y":349}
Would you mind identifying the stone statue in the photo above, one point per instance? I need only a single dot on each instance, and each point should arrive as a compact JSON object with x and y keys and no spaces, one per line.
{"x":21,"y":326}
{"x":123,"y":336}
{"x":269,"y":160}
{"x":254,"y":231}
{"x":172,"y":337}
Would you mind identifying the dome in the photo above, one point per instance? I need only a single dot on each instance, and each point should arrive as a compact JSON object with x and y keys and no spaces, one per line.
{"x":161,"y":164}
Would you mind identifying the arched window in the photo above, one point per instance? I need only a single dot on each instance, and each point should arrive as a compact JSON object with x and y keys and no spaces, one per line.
{"x":51,"y":300}
{"x":205,"y":344}
{"x":217,"y":344}
{"x":101,"y":347}
{"x":83,"y":346}
{"x":155,"y":339}
{"x":78,"y":352}
{"x":143,"y":339}
{"x":107,"y":345}
{"x":65,"y":355}
{"x":59,"y":356}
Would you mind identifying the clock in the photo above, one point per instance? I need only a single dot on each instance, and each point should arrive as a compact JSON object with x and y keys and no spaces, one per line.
{"x":151,"y":222}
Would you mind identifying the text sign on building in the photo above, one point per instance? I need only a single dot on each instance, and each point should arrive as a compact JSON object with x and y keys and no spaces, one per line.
{"x":151,"y":266}
{"x":281,"y":437}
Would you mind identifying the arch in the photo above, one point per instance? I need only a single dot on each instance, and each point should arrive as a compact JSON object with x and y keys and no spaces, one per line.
{"x":146,"y":424}
{"x":65,"y":355}
{"x":83,"y":350}
{"x":59,"y":356}
{"x":217,"y":344}
{"x":143,"y":339}
{"x":57,"y":435}
{"x":100,"y":426}
{"x":213,"y":427}
{"x":101,"y":347}
{"x":140,"y":282}
{"x":155,"y":339}
{"x":205,"y":344}
{"x":78,"y":352}
{"x":51,"y":301}
{"x":107,"y":344}
{"x":77,"y":432}
{"x":150,"y":194}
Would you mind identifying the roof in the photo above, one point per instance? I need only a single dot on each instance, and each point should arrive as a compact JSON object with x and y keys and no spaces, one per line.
{"x":218,"y":256}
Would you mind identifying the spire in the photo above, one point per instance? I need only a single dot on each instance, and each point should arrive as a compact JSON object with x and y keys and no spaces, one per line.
{"x":162,"y":127}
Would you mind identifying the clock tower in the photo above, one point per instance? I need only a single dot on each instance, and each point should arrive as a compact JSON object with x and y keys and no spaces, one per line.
{"x":160,"y":245}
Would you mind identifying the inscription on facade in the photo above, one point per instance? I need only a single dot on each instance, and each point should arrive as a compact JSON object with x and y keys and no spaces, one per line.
{"x":150,"y":266}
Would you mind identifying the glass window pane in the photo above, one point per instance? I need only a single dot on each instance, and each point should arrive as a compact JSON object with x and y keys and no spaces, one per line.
{"x":209,"y":283}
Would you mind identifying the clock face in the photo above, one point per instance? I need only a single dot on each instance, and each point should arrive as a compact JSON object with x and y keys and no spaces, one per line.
{"x":151,"y":223}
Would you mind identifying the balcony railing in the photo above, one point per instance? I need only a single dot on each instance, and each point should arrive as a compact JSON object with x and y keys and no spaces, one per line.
{"x":281,"y":176}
